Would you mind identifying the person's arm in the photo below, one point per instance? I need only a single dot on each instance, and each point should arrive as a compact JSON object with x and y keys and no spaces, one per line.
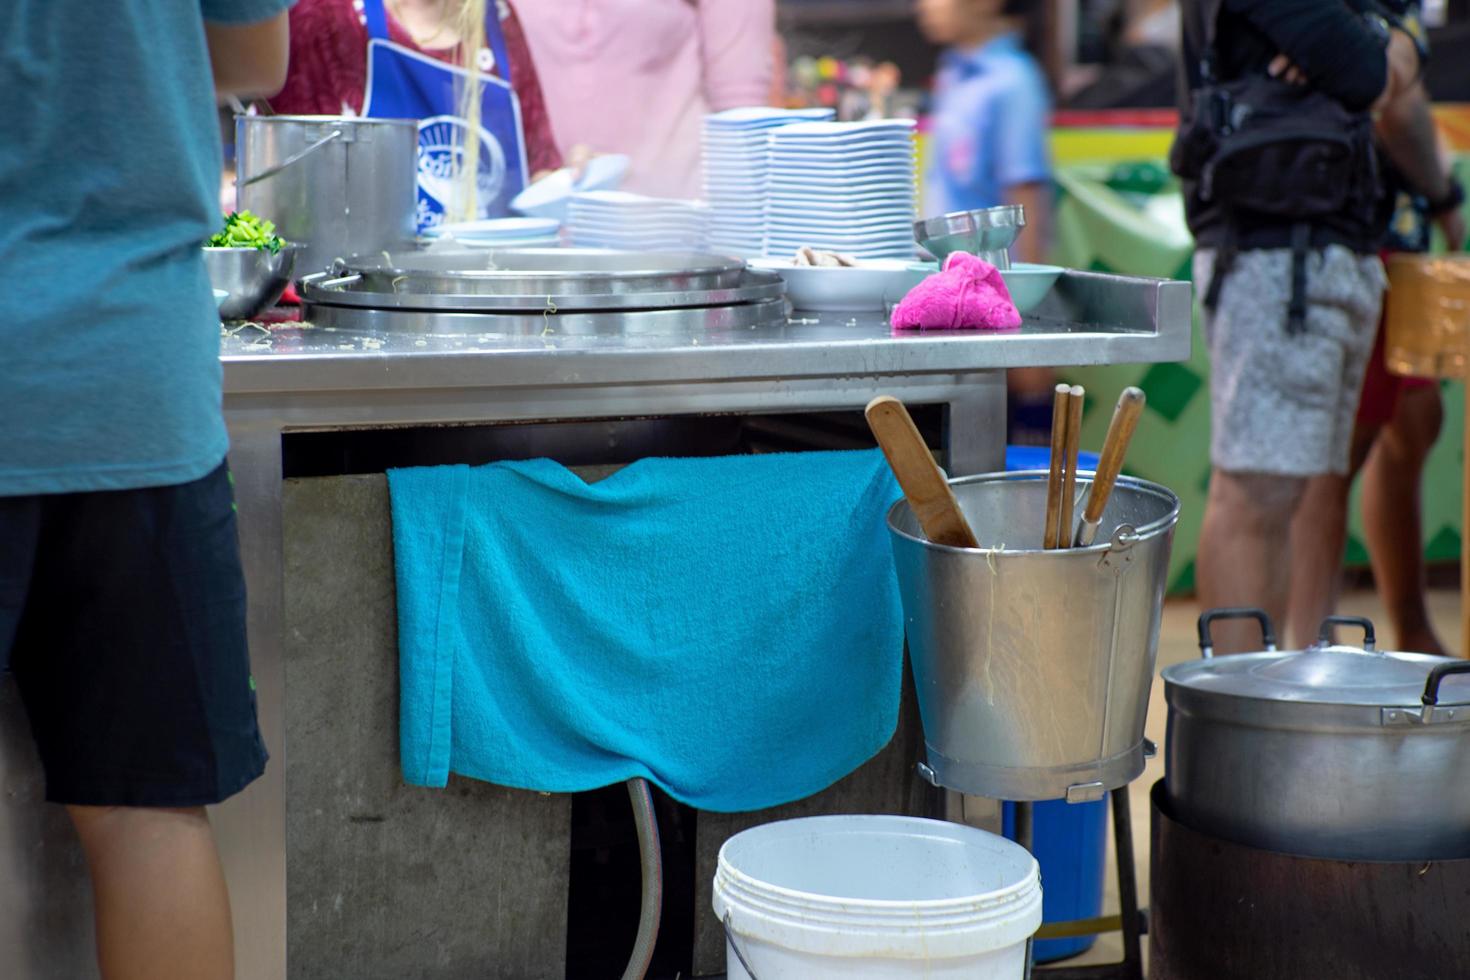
{"x":248,"y":57}
{"x":736,"y":45}
{"x":1035,"y":197}
{"x":1408,"y":135}
{"x":1331,"y":45}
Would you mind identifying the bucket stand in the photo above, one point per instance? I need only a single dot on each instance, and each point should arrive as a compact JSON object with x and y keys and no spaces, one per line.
{"x":1132,"y":920}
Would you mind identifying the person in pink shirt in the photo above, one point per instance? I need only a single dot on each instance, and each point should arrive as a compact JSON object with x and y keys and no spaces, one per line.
{"x":637,"y":77}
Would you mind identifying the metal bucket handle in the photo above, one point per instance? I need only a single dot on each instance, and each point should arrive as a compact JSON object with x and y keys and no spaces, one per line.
{"x":735,"y":946}
{"x":292,"y":159}
{"x":1268,"y":635}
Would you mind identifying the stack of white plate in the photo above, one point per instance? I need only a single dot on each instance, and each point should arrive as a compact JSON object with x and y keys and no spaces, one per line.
{"x":735,"y":173}
{"x":632,"y":222}
{"x":842,"y":187}
{"x":500,"y":233}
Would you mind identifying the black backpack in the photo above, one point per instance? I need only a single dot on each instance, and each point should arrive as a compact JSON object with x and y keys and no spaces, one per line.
{"x":1258,"y":146}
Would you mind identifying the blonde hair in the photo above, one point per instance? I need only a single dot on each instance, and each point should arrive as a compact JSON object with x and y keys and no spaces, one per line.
{"x":468,"y":21}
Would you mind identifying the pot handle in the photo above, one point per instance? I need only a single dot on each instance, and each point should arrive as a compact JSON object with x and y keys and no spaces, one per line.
{"x":1207,"y":645}
{"x":1431,"y":687}
{"x":293,"y":158}
{"x":1324,"y":635}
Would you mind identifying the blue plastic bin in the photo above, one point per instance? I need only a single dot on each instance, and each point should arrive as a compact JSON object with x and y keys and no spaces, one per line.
{"x":1069,"y":839}
{"x":1039,"y":458}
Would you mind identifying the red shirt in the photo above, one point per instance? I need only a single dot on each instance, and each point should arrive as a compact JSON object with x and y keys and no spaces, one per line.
{"x":328,"y":74}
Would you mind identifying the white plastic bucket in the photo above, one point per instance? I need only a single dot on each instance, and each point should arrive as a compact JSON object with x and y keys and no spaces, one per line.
{"x":875,"y":897}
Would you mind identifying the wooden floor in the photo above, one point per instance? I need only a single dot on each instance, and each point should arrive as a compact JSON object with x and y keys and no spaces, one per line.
{"x":1178,"y":643}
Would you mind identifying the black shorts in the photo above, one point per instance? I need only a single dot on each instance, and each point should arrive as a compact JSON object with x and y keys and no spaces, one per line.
{"x":123,"y":614}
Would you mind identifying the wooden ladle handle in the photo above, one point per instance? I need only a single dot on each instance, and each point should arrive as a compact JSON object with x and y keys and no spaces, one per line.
{"x":924,"y":485}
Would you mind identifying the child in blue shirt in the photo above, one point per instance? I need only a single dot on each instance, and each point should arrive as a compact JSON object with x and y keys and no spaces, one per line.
{"x":988,"y":147}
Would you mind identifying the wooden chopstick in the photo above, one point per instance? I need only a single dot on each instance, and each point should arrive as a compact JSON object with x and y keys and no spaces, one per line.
{"x":1052,"y":534}
{"x":1075,"y":396}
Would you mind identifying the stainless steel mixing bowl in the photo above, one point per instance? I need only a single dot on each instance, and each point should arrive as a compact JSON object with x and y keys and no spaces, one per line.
{"x":254,"y":278}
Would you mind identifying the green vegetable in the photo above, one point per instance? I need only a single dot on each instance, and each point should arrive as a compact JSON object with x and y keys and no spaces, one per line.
{"x":245,"y":230}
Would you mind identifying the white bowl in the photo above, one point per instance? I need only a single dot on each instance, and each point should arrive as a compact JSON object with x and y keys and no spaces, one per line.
{"x":604,"y":173}
{"x":874,"y":286}
{"x":549,"y":197}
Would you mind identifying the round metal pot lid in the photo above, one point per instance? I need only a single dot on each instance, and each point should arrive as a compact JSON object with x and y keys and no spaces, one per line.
{"x":545,"y":271}
{"x":1325,"y":674}
{"x":1321,"y":675}
{"x":377,"y":290}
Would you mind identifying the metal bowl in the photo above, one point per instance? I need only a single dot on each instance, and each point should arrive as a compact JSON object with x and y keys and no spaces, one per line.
{"x":987,"y":233}
{"x":253,"y":278}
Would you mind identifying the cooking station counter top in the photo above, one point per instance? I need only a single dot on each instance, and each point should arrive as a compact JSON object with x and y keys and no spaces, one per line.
{"x":1089,"y":319}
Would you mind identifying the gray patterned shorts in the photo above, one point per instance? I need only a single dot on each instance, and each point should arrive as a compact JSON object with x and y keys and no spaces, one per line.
{"x":1284,"y":404}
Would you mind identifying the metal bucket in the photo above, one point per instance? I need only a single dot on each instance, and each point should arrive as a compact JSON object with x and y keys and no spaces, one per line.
{"x":336,"y":186}
{"x":1033,"y":668}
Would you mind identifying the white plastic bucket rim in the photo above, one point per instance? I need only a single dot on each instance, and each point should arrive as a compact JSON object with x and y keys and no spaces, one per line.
{"x":900,"y":929}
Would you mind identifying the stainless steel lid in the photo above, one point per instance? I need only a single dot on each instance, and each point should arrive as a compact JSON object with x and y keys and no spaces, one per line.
{"x":546,"y":272}
{"x":1325,"y":674}
{"x":384,"y":290}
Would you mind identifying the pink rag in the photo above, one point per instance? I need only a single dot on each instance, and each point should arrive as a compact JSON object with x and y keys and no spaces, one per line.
{"x":969,"y":294}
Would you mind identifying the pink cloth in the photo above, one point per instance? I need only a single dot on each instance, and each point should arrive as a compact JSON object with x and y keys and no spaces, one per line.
{"x":638,"y":76}
{"x":968,"y":295}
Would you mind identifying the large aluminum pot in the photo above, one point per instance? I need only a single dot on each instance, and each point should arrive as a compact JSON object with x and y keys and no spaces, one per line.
{"x":1334,"y":752}
{"x":335,"y":186}
{"x":1033,"y":668}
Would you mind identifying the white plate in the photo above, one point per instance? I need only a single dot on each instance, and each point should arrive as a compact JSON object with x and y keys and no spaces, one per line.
{"x":781,"y":151}
{"x":864,"y":144}
{"x":498,"y":228}
{"x":833,"y":227}
{"x":220,"y":295}
{"x":890,"y":128}
{"x":875,"y":286}
{"x":762,"y":116}
{"x":840,"y":173}
{"x":511,"y":245}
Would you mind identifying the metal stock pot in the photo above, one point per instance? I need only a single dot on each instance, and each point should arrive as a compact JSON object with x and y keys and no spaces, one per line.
{"x":1336,"y":751}
{"x":335,"y":186}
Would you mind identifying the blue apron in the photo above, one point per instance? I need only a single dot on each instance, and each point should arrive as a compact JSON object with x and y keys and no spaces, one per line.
{"x":404,"y":84}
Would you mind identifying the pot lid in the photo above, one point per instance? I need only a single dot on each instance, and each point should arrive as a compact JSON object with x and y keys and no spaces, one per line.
{"x":1324,"y":675}
{"x":1327,"y":673}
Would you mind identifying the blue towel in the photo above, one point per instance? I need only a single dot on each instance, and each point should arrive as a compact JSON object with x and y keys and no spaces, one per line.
{"x":727,"y":628}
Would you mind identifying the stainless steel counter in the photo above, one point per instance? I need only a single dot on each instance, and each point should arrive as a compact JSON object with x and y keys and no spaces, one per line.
{"x":298,"y":378}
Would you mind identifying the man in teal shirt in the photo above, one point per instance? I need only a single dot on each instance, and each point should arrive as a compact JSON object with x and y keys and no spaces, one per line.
{"x":122,"y":609}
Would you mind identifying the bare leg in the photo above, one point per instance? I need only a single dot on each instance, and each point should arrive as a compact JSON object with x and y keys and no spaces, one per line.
{"x":1391,"y":501}
{"x":1318,"y":542}
{"x":1244,"y":553}
{"x":162,"y":909}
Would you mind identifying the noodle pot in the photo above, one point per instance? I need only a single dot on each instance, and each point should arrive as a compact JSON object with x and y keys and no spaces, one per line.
{"x":335,"y":186}
{"x":1340,"y":752}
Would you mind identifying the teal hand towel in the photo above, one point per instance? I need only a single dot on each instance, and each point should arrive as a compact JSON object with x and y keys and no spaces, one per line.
{"x":727,"y":628}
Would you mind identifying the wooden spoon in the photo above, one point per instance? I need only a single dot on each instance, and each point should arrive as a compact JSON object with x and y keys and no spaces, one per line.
{"x":924,"y":486}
